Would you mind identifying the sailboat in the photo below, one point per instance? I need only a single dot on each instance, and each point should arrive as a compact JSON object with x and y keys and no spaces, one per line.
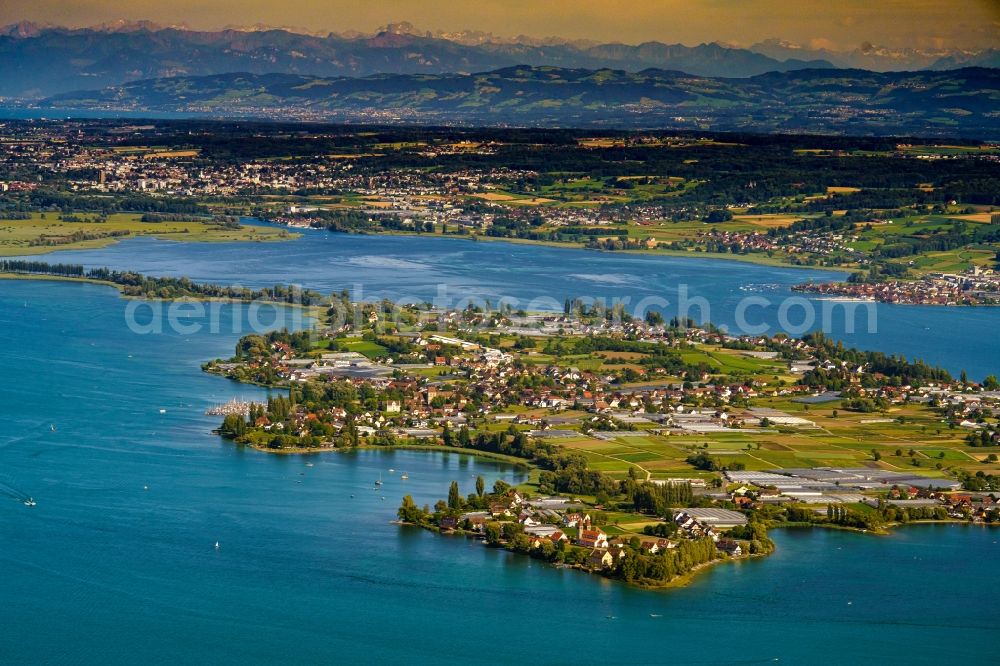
{"x":379,"y":482}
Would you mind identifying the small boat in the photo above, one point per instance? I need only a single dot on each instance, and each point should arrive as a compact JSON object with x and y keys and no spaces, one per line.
{"x":145,"y":487}
{"x":217,"y":546}
{"x":52,"y":427}
{"x":163,"y":411}
{"x":404,"y":476}
{"x":309,"y":464}
{"x":29,"y":502}
{"x":392,"y":471}
{"x":379,"y":481}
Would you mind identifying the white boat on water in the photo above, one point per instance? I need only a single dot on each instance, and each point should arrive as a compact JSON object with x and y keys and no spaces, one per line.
{"x":30,"y":502}
{"x":404,"y":476}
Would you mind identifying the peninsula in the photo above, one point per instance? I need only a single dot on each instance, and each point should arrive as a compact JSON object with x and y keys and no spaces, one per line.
{"x":654,"y":448}
{"x":25,"y":233}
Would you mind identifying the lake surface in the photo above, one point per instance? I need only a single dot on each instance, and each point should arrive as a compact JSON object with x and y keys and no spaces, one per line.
{"x":450,"y":272}
{"x":117,"y":564}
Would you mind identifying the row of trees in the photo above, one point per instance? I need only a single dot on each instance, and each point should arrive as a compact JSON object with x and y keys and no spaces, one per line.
{"x":894,"y":370}
{"x":51,"y":240}
{"x":863,"y":516}
{"x":980,"y":481}
{"x":658,"y":499}
{"x":136,"y":284}
{"x":984,"y":437}
{"x":705,"y":462}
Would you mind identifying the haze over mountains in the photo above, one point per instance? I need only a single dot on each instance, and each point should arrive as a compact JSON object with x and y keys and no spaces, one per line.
{"x":42,"y":61}
{"x":961,"y":102}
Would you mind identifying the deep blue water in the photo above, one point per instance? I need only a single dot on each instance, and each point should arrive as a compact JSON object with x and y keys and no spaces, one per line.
{"x":452,"y":271}
{"x":103,"y":571}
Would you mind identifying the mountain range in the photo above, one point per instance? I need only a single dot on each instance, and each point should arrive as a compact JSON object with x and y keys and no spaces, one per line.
{"x":961,"y":102}
{"x":880,"y":58}
{"x":41,"y":60}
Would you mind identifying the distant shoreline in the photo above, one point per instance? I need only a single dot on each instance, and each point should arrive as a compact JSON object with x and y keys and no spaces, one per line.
{"x":312,"y":311}
{"x":750,"y":258}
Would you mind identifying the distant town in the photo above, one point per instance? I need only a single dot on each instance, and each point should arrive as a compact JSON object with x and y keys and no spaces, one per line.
{"x":975,"y":286}
{"x":906,"y":219}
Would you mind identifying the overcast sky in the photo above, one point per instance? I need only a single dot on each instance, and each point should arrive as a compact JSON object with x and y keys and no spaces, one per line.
{"x":837,"y":23}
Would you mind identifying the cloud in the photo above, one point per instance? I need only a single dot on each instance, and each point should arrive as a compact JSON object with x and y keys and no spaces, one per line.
{"x":820,"y":43}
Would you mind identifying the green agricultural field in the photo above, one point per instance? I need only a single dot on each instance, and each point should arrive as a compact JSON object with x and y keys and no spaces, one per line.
{"x":372,"y":350}
{"x":47,"y":232}
{"x":910,"y":438}
{"x":732,"y":361}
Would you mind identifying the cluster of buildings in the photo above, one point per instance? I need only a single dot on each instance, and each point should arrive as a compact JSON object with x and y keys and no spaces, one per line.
{"x":801,"y":242}
{"x":976,"y":286}
{"x":433,"y":378}
{"x":99,"y":160}
{"x":825,"y":486}
{"x":556,"y":520}
{"x":822,"y":486}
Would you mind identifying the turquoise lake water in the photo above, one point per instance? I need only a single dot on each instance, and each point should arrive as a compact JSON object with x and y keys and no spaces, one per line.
{"x":539,"y":277}
{"x":116,"y":564}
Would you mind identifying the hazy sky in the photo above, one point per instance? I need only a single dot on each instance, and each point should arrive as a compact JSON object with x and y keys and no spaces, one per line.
{"x":842,"y":23}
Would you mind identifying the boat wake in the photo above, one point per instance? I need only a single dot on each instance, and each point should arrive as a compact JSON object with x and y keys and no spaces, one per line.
{"x":15,"y":493}
{"x":762,"y":287}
